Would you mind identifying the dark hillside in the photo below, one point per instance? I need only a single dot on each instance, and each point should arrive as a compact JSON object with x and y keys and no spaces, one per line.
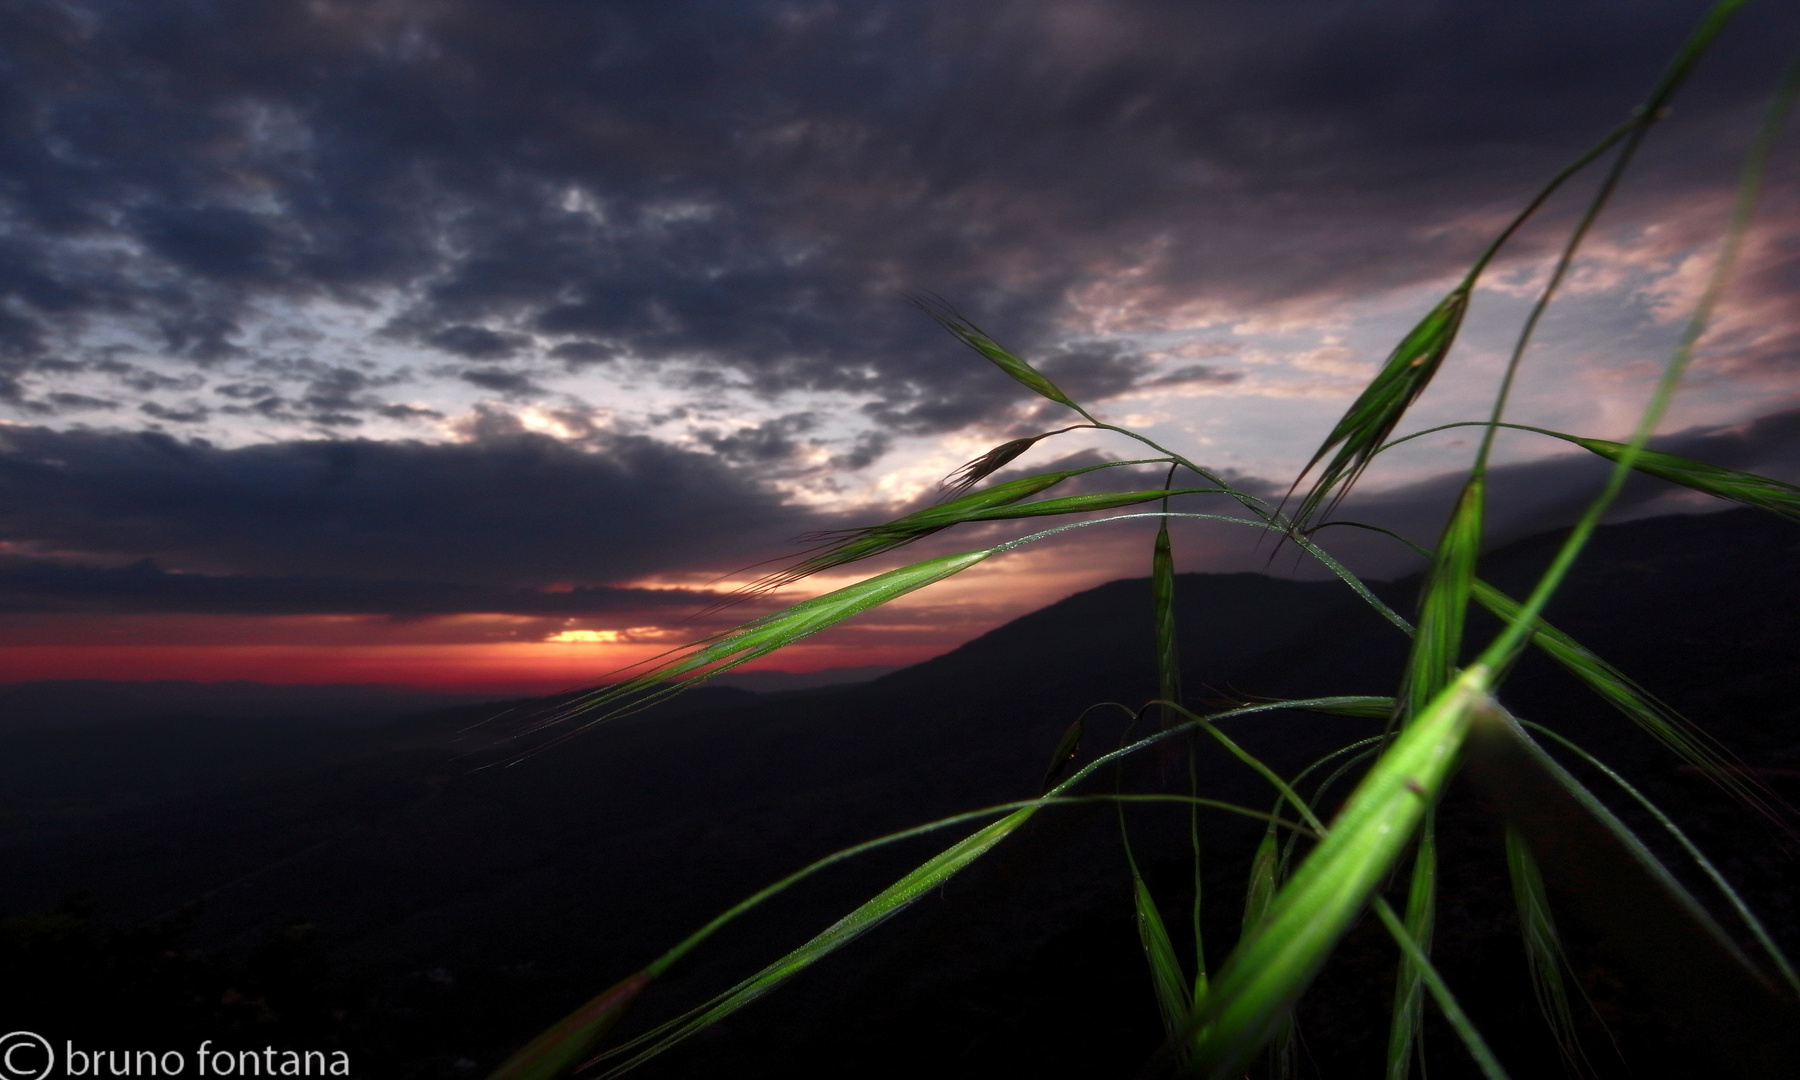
{"x":465,"y":908}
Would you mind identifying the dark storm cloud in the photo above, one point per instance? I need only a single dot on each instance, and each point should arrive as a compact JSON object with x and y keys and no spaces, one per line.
{"x":499,"y":380}
{"x":754,"y":184}
{"x":39,"y":586}
{"x":512,"y":509}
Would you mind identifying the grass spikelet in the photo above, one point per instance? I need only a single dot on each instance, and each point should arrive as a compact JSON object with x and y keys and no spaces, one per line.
{"x":1371,"y":418}
{"x":1740,"y":487}
{"x":976,"y":338}
{"x":1543,"y":950}
{"x":1437,"y":646}
{"x":974,"y":472}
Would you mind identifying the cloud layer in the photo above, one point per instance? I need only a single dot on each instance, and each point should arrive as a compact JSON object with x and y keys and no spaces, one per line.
{"x":737,"y":194}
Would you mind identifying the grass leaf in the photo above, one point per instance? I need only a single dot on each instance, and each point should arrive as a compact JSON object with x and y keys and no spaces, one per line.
{"x":1166,"y":976}
{"x":721,"y":652}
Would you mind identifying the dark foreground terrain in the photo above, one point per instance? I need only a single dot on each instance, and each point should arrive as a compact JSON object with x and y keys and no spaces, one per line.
{"x":370,"y":886}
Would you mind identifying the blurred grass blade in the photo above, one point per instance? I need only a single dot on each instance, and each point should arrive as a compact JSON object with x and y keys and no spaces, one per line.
{"x":1657,"y":719}
{"x":571,"y":1039}
{"x":851,"y":545}
{"x":1259,"y":982}
{"x":1443,"y":609}
{"x":1740,"y":487}
{"x":1371,"y":418}
{"x":760,"y":637}
{"x":1405,"y":1033}
{"x":1162,"y":602}
{"x":1645,"y":919}
{"x":1543,"y":950}
{"x":976,"y":338}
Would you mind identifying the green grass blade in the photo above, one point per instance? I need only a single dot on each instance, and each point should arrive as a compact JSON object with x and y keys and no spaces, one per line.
{"x":1369,"y":708}
{"x":1165,"y":971}
{"x":1735,"y":485}
{"x":1081,"y":504}
{"x":1405,"y":1032}
{"x":1646,"y":919}
{"x":758,"y":638}
{"x":998,"y":503}
{"x":1544,"y":956}
{"x":1259,"y":982}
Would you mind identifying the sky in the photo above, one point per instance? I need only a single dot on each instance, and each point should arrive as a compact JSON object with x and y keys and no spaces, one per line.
{"x":484,"y":345}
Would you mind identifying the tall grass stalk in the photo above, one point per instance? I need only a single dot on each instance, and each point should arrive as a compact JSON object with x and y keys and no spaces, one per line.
{"x":1310,"y":878}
